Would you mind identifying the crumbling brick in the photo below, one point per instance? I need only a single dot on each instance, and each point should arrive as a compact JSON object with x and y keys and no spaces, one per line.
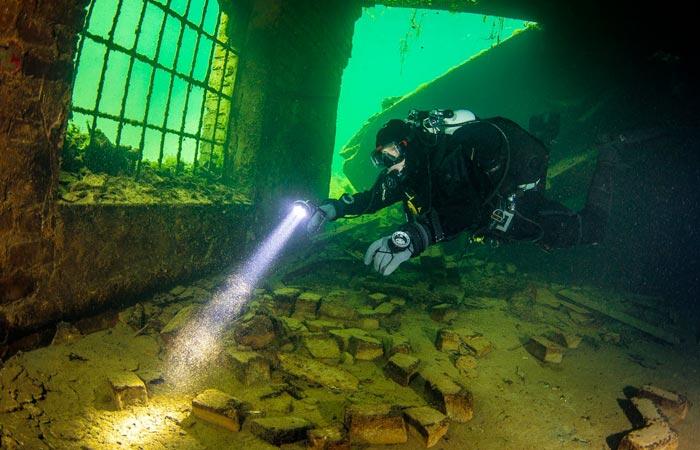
{"x":396,"y":344}
{"x":177,"y":323}
{"x":478,"y":345}
{"x":443,"y":312}
{"x":544,"y":349}
{"x":365,"y":348}
{"x":329,"y":438}
{"x":567,"y":340}
{"x":255,"y":333}
{"x":448,"y":340}
{"x":377,"y":298}
{"x":306,"y":305}
{"x":336,"y":310}
{"x":401,"y":368}
{"x":127,"y":390}
{"x":375,"y":424}
{"x":280,"y":430}
{"x":322,"y":347}
{"x":430,"y":423}
{"x":218,"y":408}
{"x":672,"y":404}
{"x":450,"y":398}
{"x":343,"y":336}
{"x":249,"y":367}
{"x":657,"y":436}
{"x":385,"y":309}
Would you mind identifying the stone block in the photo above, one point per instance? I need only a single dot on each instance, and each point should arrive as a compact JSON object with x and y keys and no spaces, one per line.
{"x":648,"y":410}
{"x":177,"y":323}
{"x":443,"y":313}
{"x":385,"y":309}
{"x":450,"y":398}
{"x":316,"y":372}
{"x":127,"y":390}
{"x":283,"y":300}
{"x":657,"y":436}
{"x":249,"y":367}
{"x":365,"y":348}
{"x":343,"y":336}
{"x":674,"y":406}
{"x":306,"y":305}
{"x":430,"y":423}
{"x":329,"y":438}
{"x":323,"y":325}
{"x":218,"y":408}
{"x":336,"y":310}
{"x":256,"y":333}
{"x":377,"y":298}
{"x":477,"y":345}
{"x":322,"y":347}
{"x":291,"y":326}
{"x":396,"y":344}
{"x":448,"y":340}
{"x":398,"y":301}
{"x":375,"y":425}
{"x":544,"y":349}
{"x":567,"y":340}
{"x":66,"y":334}
{"x":280,"y":430}
{"x":367,"y":323}
{"x":401,"y":368}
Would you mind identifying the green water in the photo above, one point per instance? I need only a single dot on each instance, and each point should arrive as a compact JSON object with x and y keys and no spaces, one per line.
{"x":395,"y":50}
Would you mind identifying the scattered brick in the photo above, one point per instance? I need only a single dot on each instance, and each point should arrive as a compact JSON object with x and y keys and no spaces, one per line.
{"x":672,"y":404}
{"x":545,"y":350}
{"x":448,"y":340}
{"x":451,"y":398}
{"x":218,"y":408}
{"x":127,"y":390}
{"x":365,"y":348}
{"x":401,"y":368}
{"x":280,"y":430}
{"x":567,"y":340}
{"x":330,"y":438}
{"x":249,"y":367}
{"x":375,"y":425}
{"x":443,"y":313}
{"x":322,"y":347}
{"x":478,"y":345}
{"x":430,"y":423}
{"x":306,"y":305}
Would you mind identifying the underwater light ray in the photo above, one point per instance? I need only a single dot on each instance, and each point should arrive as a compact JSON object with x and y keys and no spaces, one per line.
{"x":198,"y":343}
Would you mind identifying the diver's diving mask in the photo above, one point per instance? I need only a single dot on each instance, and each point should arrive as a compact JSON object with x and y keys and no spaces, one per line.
{"x":387,"y":155}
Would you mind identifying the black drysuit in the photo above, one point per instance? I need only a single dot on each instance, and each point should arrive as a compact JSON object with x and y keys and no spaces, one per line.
{"x":472,"y":181}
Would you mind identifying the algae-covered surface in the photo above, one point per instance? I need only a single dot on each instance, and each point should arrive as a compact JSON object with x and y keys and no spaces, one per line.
{"x":58,"y":396}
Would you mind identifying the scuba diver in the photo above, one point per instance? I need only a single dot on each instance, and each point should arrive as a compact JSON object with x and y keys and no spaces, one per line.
{"x":458,"y":173}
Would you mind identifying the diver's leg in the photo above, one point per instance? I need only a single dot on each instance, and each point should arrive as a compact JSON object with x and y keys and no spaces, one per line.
{"x":562,"y":227}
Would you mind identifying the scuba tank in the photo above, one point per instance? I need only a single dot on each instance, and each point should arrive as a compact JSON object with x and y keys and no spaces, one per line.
{"x":440,"y":121}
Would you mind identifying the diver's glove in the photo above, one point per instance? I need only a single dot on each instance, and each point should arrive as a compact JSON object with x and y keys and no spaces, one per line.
{"x":387,"y":253}
{"x":320,"y":216}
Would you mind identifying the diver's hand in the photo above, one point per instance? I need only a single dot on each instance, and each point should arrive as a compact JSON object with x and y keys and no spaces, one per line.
{"x":320,"y":216}
{"x":386,"y":258}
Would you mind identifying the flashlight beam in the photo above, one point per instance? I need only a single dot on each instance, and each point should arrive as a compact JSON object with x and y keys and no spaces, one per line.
{"x":198,"y":342}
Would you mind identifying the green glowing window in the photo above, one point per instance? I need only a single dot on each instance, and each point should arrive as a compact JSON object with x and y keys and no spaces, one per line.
{"x":155,"y":79}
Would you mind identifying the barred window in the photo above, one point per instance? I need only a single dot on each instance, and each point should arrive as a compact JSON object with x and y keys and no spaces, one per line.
{"x":154,"y":79}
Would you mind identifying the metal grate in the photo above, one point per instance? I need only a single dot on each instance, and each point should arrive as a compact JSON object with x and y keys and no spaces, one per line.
{"x":189,"y":118}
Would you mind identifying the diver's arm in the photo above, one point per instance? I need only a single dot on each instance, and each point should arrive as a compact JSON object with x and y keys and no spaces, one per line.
{"x":381,"y":195}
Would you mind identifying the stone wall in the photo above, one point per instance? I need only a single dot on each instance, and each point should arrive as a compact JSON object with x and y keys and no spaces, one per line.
{"x":286,"y":97}
{"x":61,"y":261}
{"x":37,"y":41}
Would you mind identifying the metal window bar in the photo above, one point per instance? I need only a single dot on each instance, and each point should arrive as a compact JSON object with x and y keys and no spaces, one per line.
{"x":189,"y":90}
{"x":112,"y":46}
{"x":204,"y":99}
{"x":172,"y":83}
